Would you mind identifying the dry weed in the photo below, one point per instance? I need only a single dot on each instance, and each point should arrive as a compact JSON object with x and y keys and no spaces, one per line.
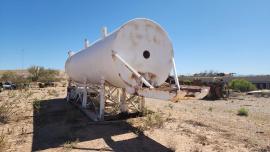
{"x":29,"y":94}
{"x":3,"y":142}
{"x":36,"y":105}
{"x":5,"y":112}
{"x":53,"y":93}
{"x":153,"y":120}
{"x":11,"y":94}
{"x":69,"y":145}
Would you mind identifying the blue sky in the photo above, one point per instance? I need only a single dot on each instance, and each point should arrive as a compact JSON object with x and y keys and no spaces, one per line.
{"x":220,"y":35}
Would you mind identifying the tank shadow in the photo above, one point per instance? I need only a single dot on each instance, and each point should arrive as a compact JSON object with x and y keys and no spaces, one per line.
{"x":57,"y":122}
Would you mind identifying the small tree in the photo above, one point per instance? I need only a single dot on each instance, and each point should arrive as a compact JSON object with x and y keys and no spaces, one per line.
{"x":35,"y":72}
{"x":38,"y":73}
{"x":242,"y":85}
{"x":48,"y":75}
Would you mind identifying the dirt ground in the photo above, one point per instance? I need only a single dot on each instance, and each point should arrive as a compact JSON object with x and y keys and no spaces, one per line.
{"x":41,"y":120}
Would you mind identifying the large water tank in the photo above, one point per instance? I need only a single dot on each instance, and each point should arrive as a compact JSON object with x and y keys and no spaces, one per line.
{"x":142,"y":43}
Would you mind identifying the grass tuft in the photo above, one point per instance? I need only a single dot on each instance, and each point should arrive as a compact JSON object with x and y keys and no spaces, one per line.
{"x":153,"y":120}
{"x":36,"y":105}
{"x":242,"y":112}
{"x":69,"y":145}
{"x":29,"y":94}
{"x":11,"y":94}
{"x":3,"y":142}
{"x":5,"y":112}
{"x":53,"y":93}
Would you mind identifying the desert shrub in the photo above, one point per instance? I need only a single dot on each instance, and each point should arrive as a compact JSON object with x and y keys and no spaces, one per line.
{"x":3,"y":142}
{"x":153,"y":120}
{"x":53,"y":93}
{"x":170,"y":106}
{"x":34,"y":72}
{"x":29,"y":94}
{"x":241,"y":85}
{"x":8,"y":76}
{"x":146,"y":112}
{"x":19,"y":80}
{"x":36,"y":105}
{"x":187,"y":82}
{"x":210,"y":73}
{"x":49,"y":75}
{"x":5,"y":112}
{"x":242,"y":112}
{"x":69,"y":145}
{"x":149,"y":120}
{"x":11,"y":94}
{"x":38,"y":73}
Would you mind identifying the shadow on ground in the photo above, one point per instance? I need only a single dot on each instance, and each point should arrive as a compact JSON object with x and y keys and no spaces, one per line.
{"x":57,"y":122}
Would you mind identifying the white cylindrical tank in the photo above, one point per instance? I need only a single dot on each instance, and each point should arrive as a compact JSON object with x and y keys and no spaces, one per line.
{"x":142,"y":43}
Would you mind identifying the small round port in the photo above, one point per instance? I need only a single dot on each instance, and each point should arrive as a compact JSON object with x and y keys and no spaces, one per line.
{"x":146,"y":54}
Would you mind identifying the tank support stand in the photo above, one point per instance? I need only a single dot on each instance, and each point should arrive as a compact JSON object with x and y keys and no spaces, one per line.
{"x":104,"y":101}
{"x":123,"y":103}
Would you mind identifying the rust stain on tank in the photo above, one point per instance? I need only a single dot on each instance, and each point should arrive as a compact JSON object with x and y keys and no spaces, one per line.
{"x":139,"y":36}
{"x":149,"y":25}
{"x":152,"y":76}
{"x":156,"y":40}
{"x":159,"y":30}
{"x":113,"y":56}
{"x":133,"y":76}
{"x":133,"y":39}
{"x":136,"y":26}
{"x":148,"y":74}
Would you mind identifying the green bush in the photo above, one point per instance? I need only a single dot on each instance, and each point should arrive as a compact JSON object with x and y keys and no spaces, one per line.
{"x":153,"y":120}
{"x":38,"y":73}
{"x":242,"y":112}
{"x":187,"y":82}
{"x":241,"y":85}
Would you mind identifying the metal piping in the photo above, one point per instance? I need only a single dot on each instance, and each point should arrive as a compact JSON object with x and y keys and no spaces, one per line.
{"x":175,"y":75}
{"x":133,"y":70}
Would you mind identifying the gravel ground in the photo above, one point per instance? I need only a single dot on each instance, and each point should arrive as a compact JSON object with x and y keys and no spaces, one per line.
{"x":190,"y":125}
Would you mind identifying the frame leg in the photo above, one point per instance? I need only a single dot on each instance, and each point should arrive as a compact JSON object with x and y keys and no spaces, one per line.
{"x":175,"y":75}
{"x":123,"y":103}
{"x":102,"y":100}
{"x":84,"y":102}
{"x":142,"y":104}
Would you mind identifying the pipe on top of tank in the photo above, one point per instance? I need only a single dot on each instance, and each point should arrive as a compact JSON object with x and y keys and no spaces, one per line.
{"x":104,"y":32}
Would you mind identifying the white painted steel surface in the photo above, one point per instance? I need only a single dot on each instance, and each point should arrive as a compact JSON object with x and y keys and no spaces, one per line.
{"x":130,"y":41}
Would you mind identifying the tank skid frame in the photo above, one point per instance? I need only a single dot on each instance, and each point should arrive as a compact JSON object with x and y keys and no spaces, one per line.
{"x":104,"y":101}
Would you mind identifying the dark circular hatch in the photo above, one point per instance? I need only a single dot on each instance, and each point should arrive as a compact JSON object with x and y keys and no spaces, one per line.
{"x":146,"y":54}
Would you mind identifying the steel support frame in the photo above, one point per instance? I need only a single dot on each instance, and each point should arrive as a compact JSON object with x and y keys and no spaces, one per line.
{"x":110,"y":100}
